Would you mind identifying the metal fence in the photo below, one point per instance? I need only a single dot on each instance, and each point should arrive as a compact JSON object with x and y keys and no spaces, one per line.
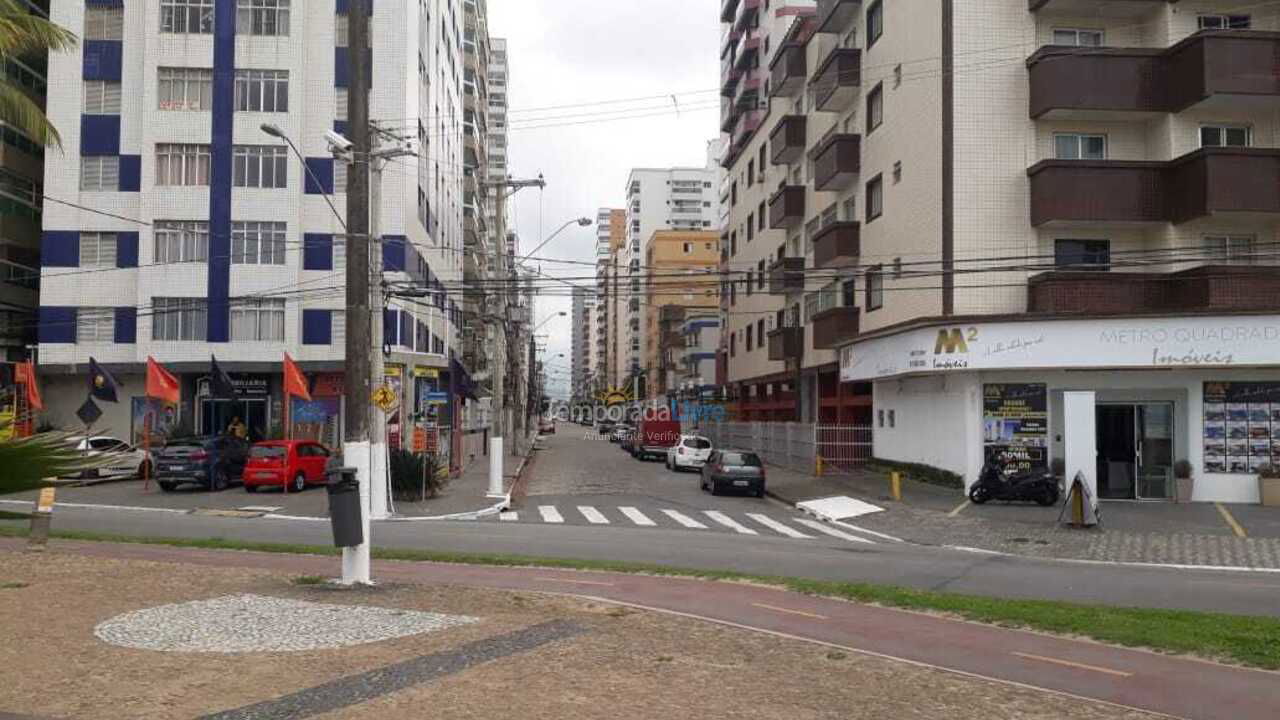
{"x":795,"y":446}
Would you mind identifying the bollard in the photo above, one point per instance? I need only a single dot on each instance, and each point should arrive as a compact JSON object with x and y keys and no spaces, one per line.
{"x":41,"y":519}
{"x":818,"y":469}
{"x":1077,"y":509}
{"x":895,"y":486}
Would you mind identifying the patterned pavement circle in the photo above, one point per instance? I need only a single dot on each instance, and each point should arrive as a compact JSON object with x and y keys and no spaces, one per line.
{"x":256,"y":623}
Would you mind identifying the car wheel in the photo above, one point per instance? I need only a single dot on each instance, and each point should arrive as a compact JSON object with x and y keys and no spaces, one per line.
{"x":299,"y":483}
{"x":714,"y":489}
{"x":168,"y":486}
{"x":220,"y":480}
{"x":1049,"y":497}
{"x":250,"y":488}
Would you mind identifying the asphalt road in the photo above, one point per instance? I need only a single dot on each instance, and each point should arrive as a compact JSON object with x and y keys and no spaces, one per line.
{"x":576,"y":472}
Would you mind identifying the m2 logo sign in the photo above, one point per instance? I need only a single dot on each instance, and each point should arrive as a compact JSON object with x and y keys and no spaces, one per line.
{"x":952,"y":341}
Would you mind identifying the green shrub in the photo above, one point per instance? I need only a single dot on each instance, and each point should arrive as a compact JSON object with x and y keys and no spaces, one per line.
{"x":923,"y":473}
{"x":415,"y":477}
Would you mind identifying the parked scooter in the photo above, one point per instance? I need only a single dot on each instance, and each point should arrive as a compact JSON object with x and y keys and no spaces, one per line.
{"x":1000,"y":480}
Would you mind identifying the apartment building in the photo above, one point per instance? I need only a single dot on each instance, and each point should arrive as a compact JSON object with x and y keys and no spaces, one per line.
{"x":21,"y":203}
{"x":477,"y":206}
{"x":680,"y":276}
{"x":580,"y":346}
{"x":696,"y":364}
{"x":199,"y":234}
{"x":611,"y":235}
{"x":1041,"y":228}
{"x":659,"y":199}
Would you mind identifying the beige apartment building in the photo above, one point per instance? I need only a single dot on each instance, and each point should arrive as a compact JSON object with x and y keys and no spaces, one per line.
{"x":611,"y":236}
{"x":1041,"y":227}
{"x":680,"y":274}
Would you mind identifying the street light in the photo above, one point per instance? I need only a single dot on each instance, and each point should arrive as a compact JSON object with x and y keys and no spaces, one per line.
{"x":582,"y":222}
{"x":549,"y":319}
{"x":275,"y":131}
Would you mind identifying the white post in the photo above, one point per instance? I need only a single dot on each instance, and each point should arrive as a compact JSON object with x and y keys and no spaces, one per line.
{"x":355,"y":561}
{"x":378,"y":464}
{"x":1079,"y":443}
{"x":495,"y":467}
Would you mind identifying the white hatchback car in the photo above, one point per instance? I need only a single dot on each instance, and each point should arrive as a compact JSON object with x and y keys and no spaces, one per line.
{"x":691,"y":451}
{"x":123,"y":460}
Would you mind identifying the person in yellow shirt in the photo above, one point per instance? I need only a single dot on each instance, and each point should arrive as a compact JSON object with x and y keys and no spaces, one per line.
{"x":237,"y":428}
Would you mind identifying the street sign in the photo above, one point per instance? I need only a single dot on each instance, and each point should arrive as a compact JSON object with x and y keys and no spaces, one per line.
{"x":385,"y":398}
{"x":437,"y":398}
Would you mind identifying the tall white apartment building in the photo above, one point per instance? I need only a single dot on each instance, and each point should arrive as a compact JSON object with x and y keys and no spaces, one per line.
{"x":580,"y":348}
{"x":193,"y":233}
{"x":679,"y":198}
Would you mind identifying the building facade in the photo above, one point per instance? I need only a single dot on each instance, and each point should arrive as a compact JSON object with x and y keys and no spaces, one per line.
{"x":680,"y":275}
{"x":198,"y":234}
{"x":1015,"y":260}
{"x":580,"y":345}
{"x":610,"y":237}
{"x":696,"y":366}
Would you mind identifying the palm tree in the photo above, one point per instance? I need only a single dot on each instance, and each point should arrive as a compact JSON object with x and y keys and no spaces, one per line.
{"x":24,"y":33}
{"x":28,"y":461}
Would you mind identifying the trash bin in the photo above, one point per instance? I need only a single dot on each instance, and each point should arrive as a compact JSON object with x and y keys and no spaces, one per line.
{"x":344,"y":507}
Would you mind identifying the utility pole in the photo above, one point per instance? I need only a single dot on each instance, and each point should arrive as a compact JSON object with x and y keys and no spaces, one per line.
{"x":358,"y":385}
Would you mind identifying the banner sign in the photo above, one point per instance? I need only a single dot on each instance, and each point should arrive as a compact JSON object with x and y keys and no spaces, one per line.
{"x":1015,"y":419}
{"x":1192,"y":342}
{"x":1241,"y":426}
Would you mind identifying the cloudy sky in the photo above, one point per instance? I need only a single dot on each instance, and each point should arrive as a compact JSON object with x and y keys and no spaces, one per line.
{"x":571,"y":61}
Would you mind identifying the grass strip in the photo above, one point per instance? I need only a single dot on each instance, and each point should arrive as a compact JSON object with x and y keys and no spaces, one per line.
{"x":1242,"y":639}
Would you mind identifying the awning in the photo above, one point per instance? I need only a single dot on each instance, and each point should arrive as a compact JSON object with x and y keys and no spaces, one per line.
{"x":466,"y":387}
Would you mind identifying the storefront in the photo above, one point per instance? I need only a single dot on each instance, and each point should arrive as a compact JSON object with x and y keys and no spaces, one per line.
{"x":1201,"y":389}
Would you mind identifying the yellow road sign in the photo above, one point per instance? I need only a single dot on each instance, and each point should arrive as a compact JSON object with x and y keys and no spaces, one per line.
{"x":385,"y":398}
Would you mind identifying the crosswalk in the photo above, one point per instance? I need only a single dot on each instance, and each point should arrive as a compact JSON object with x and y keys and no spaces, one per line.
{"x":747,"y":523}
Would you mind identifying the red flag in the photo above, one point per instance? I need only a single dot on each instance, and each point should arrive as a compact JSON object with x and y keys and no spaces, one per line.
{"x":25,"y":374}
{"x":161,"y":384}
{"x":295,"y":383}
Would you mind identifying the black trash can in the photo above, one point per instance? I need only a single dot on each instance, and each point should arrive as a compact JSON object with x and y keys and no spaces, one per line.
{"x":344,"y":507}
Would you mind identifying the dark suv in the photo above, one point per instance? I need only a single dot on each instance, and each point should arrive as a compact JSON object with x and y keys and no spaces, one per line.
{"x":212,"y":462}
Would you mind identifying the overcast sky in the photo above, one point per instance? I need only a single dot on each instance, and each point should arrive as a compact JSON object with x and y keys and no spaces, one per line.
{"x":580,"y":54}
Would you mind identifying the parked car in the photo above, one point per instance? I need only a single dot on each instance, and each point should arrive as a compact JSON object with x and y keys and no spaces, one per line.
{"x":691,"y":451}
{"x":547,"y":427}
{"x":618,"y":433}
{"x":213,"y":462}
{"x":734,"y":470}
{"x":122,"y":459}
{"x":628,"y":441}
{"x":288,"y":464}
{"x":606,"y":428}
{"x":653,"y":437}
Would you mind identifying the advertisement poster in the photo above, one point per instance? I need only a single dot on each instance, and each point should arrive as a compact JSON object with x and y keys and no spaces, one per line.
{"x":1241,"y":426}
{"x":1015,"y":419}
{"x":395,"y":380}
{"x":317,"y":420}
{"x":161,"y":417}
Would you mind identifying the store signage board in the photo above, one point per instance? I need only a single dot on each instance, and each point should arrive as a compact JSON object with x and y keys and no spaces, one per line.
{"x":1188,"y":342}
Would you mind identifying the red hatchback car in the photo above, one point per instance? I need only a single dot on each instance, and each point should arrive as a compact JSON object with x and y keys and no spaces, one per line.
{"x":288,"y":464}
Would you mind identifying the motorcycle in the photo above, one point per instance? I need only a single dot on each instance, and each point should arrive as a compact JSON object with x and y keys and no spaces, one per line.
{"x":999,"y":480}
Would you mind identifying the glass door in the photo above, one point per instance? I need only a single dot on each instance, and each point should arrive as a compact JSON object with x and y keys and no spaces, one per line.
{"x":1155,"y":451}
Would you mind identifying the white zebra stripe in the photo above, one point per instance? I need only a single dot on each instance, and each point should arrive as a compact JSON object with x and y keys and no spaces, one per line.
{"x":684,"y":520}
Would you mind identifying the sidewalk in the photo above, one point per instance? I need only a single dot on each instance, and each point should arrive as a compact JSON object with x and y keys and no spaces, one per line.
{"x":1134,"y":532}
{"x":467,"y":496}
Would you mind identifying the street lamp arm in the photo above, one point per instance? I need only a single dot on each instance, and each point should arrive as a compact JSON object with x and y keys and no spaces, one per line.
{"x":274,"y":131}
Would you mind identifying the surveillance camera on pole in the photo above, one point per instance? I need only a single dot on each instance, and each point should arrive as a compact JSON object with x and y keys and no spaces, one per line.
{"x":338,"y":143}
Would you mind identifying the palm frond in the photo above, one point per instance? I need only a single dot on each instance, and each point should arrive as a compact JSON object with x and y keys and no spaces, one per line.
{"x":18,"y":110}
{"x":26,"y":462}
{"x":22,"y":32}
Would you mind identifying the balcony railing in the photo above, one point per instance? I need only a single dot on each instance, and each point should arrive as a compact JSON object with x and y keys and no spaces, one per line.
{"x":788,"y":70}
{"x":1089,"y":8}
{"x":837,"y":80}
{"x":835,"y":327}
{"x":786,"y":343}
{"x":786,"y":276}
{"x":1208,"y":288}
{"x":786,"y":207}
{"x":837,"y":16}
{"x":787,"y":140}
{"x":837,"y":245}
{"x":1200,"y":183}
{"x":837,"y":162}
{"x":1155,"y":80}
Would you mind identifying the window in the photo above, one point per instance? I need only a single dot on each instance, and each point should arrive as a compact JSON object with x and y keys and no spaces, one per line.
{"x":186,"y":16}
{"x":875,"y":22}
{"x":733,"y":344}
{"x":257,"y":243}
{"x":750,"y":337}
{"x":100,"y":173}
{"x":1076,"y":146}
{"x":760,"y":332}
{"x":1229,"y":249}
{"x":897,"y":172}
{"x":262,"y":17}
{"x":751,"y":172}
{"x":760,"y":216}
{"x":875,"y":108}
{"x":875,"y":288}
{"x":1223,"y":22}
{"x":1077,"y":38}
{"x":179,"y":241}
{"x":875,"y":198}
{"x":1082,"y":254}
{"x":760,"y":275}
{"x":1225,"y":136}
{"x":97,"y":250}
{"x":688,"y":248}
{"x":103,"y":23}
{"x":340,"y":175}
{"x":95,"y":325}
{"x":262,"y":91}
{"x":179,"y":319}
{"x":259,"y":166}
{"x":849,"y":293}
{"x":340,"y":104}
{"x":751,"y":227}
{"x":182,"y":164}
{"x":257,"y":319}
{"x":186,"y":88}
{"x":101,"y":97}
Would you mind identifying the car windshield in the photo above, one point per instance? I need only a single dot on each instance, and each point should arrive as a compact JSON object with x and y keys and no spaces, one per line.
{"x":268,"y":451}
{"x":740,"y":459}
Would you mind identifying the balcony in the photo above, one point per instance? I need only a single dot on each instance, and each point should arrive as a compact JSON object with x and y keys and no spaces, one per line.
{"x":837,"y":80}
{"x":728,"y":9}
{"x":837,"y":245}
{"x":786,"y":276}
{"x":788,"y":70}
{"x":749,"y":53}
{"x":835,"y":327}
{"x":837,"y":16}
{"x":786,"y":344}
{"x":748,"y":14}
{"x":1208,"y":69}
{"x":1093,"y":8}
{"x":1208,"y":288}
{"x":1208,"y":181}
{"x":786,"y":207}
{"x":837,"y":162}
{"x":787,"y":140}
